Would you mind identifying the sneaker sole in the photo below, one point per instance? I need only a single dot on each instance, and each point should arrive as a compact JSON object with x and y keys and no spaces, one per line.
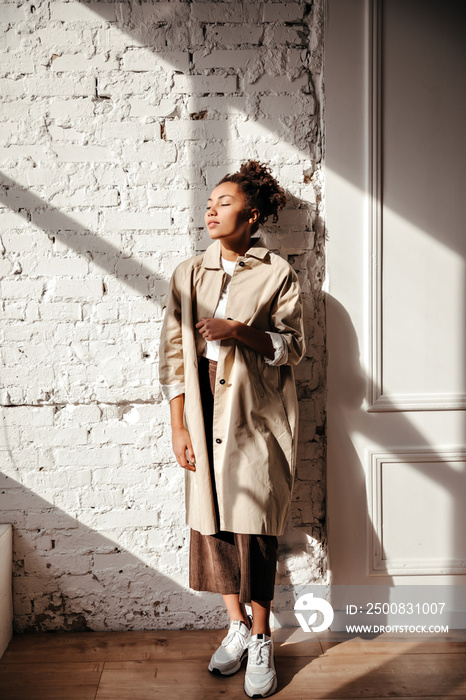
{"x":217,"y":672}
{"x":255,"y":694}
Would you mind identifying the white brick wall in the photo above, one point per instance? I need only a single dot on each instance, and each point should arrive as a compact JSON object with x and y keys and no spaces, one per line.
{"x":116,"y":120}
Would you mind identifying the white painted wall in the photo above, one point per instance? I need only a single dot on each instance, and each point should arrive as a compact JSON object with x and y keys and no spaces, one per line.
{"x":116,"y":121}
{"x":395,"y":305}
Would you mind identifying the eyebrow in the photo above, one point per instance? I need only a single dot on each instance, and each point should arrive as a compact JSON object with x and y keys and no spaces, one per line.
{"x":222,"y":196}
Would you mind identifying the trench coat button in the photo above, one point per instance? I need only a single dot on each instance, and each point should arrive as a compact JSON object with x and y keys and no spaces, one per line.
{"x":222,"y":381}
{"x":218,"y":441}
{"x":241,"y":264}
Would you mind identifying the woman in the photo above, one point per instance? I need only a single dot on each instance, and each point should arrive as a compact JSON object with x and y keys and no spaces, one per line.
{"x":232,"y":332}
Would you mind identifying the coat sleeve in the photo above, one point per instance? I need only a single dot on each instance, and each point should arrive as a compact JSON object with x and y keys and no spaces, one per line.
{"x":286,"y":318}
{"x":171,"y":363}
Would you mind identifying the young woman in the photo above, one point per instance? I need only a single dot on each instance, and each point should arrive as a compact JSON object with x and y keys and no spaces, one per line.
{"x":232,"y":332}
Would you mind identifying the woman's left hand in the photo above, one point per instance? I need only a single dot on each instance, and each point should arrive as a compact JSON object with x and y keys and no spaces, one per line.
{"x":216,"y":328}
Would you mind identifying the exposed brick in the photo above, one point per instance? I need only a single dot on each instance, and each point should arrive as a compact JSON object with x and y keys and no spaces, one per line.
{"x":117,"y":120}
{"x":149,"y":12}
{"x":11,"y":219}
{"x":58,"y":310}
{"x":231,"y":35}
{"x":283,"y":11}
{"x":214,"y":105}
{"x":149,"y":152}
{"x":142,"y":108}
{"x":22,"y":415}
{"x":138,"y":220}
{"x":74,"y":63}
{"x":146,"y":60}
{"x":83,"y":154}
{"x":217,"y":12}
{"x":225,"y":58}
{"x":12,"y":14}
{"x":167,"y":198}
{"x":95,"y":12}
{"x":10,"y":87}
{"x":22,"y":288}
{"x":82,"y":289}
{"x":13,"y":63}
{"x":65,"y":221}
{"x":65,"y":38}
{"x":192,"y":84}
{"x":189,"y":130}
{"x":278,"y":84}
{"x":54,"y":85}
{"x":290,"y":105}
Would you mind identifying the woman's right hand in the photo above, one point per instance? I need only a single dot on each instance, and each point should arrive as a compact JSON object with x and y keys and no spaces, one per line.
{"x":182,"y":442}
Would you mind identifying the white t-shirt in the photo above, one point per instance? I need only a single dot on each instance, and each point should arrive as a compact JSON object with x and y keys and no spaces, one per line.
{"x":213,"y":346}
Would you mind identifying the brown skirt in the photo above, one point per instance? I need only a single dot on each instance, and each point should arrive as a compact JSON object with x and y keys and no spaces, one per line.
{"x":229,"y":562}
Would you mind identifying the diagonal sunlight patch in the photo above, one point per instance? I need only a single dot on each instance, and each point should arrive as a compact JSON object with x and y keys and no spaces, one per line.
{"x":119,"y":118}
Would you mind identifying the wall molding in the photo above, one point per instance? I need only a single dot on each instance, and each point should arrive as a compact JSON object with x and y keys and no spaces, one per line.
{"x":374,"y":152}
{"x":418,"y":402}
{"x":378,"y":565}
{"x":377,"y":399}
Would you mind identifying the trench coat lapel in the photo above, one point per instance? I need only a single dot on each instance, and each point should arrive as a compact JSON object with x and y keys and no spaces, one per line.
{"x":208,"y":294}
{"x":214,"y":277}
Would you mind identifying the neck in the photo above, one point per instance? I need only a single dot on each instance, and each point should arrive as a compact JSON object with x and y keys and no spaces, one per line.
{"x":232,"y":250}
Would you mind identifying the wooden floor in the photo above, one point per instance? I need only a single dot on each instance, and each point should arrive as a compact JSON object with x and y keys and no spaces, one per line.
{"x":172,"y":665}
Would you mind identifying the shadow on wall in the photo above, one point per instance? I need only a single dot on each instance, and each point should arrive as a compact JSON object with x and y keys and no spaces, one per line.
{"x":245,"y":122}
{"x":28,"y":209}
{"x":67,"y":289}
{"x":78,"y":579}
{"x":349,"y":383}
{"x":70,"y":576}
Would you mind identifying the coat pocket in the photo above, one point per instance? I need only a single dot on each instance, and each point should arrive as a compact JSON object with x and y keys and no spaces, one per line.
{"x":285,"y":414}
{"x":251,"y":361}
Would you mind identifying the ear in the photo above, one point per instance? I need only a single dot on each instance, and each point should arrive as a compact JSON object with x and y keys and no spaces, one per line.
{"x":253,"y":216}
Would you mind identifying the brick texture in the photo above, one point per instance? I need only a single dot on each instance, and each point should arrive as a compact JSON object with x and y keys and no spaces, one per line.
{"x":116,"y":121}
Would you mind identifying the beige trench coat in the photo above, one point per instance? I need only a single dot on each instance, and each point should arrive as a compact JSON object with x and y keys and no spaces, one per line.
{"x":255,"y":408}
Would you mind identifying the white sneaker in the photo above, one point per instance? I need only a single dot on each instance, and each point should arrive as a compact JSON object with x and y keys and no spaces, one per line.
{"x":261,"y":678}
{"x":228,"y":657}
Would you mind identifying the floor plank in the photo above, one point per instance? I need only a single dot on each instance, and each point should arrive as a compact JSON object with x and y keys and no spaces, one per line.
{"x":50,"y":681}
{"x":113,"y":646}
{"x":376,"y":675}
{"x":298,"y":678}
{"x":132,"y":680}
{"x":296,"y":642}
{"x":173,"y":664}
{"x":390,"y":643}
{"x":138,"y":646}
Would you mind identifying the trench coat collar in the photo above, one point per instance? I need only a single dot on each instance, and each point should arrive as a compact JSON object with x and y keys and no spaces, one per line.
{"x":211,"y":259}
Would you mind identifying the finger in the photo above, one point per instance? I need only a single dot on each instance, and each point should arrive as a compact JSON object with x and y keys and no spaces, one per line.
{"x":183,"y":462}
{"x":192,"y":458}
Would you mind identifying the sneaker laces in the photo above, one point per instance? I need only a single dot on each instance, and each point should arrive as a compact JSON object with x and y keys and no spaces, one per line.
{"x":233,"y":637}
{"x":259,"y":652}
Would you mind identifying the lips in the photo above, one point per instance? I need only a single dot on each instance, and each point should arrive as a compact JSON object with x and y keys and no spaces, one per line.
{"x":210,"y":224}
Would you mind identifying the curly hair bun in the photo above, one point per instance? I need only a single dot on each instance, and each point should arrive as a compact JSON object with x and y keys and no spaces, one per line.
{"x":261,"y":189}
